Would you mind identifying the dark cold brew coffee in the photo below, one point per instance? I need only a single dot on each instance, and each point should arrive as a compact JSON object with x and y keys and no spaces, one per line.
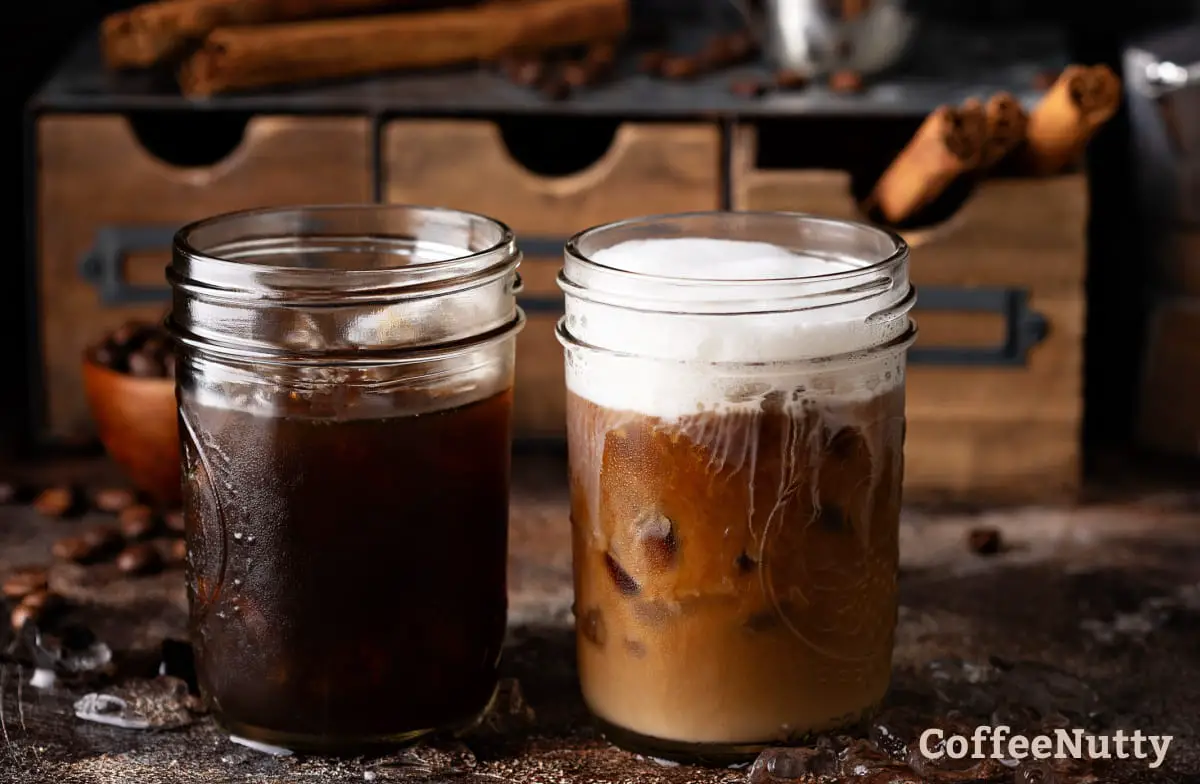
{"x":347,"y":577}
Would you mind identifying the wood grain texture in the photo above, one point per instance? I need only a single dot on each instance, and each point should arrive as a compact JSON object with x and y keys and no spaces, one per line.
{"x":990,"y":430}
{"x":92,"y":172}
{"x":1169,"y":416}
{"x":649,"y":168}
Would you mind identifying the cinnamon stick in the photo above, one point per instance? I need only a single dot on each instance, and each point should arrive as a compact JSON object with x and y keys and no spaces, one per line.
{"x":236,"y":58}
{"x":151,"y":33}
{"x":1007,"y":121}
{"x":948,"y":145}
{"x":1068,"y":116}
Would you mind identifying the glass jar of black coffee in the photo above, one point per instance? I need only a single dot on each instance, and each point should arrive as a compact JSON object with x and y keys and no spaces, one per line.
{"x":344,"y":383}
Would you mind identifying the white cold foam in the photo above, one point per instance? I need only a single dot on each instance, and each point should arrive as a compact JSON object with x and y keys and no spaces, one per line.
{"x":669,"y":389}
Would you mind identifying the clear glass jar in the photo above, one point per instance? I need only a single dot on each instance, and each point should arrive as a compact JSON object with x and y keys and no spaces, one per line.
{"x":346,"y":553}
{"x":736,"y":426}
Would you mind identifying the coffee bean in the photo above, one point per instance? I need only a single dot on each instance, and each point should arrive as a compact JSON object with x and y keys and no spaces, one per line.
{"x":92,"y":545}
{"x":177,"y":552}
{"x":984,"y":541}
{"x":681,"y":68}
{"x":787,"y":79}
{"x":525,"y":72}
{"x":576,"y":74}
{"x":129,"y":334}
{"x":846,"y":82}
{"x":175,"y":521}
{"x":56,"y":501}
{"x":24,"y":581}
{"x":718,"y":52}
{"x":139,"y":559}
{"x":145,"y":365}
{"x":138,"y":522}
{"x":42,"y":602}
{"x":742,"y":45}
{"x":652,"y":62}
{"x":604,"y":54}
{"x":70,"y":548}
{"x":113,"y":500}
{"x":748,"y":88}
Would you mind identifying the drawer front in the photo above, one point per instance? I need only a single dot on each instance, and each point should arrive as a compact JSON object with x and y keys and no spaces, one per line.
{"x":107,"y":210}
{"x":649,"y":168}
{"x":1001,"y":314}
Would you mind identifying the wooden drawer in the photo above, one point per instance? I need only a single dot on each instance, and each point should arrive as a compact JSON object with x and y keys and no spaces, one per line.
{"x":1169,"y":418}
{"x":995,"y":386}
{"x":107,"y":209}
{"x":648,"y":168}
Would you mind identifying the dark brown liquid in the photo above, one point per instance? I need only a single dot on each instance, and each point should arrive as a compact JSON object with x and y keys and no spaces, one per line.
{"x":347,"y":578}
{"x":735,"y":574}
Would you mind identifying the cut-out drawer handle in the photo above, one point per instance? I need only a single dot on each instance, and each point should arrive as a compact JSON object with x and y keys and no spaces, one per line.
{"x":103,"y":265}
{"x":1024,"y":328}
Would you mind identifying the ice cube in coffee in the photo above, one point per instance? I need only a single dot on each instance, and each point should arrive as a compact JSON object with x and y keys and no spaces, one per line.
{"x":346,"y":569}
{"x":736,"y":427}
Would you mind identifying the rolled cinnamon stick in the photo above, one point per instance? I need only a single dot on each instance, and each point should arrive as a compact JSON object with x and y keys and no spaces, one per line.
{"x":1007,"y":121}
{"x":151,"y":33}
{"x":236,"y":58}
{"x":948,"y":145}
{"x":1068,"y":116}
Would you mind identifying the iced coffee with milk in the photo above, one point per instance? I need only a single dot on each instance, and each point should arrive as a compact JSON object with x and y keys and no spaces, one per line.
{"x":736,"y":429}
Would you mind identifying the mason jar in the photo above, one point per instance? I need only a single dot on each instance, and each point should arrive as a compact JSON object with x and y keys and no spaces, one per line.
{"x":736,"y":428}
{"x":345,"y":392}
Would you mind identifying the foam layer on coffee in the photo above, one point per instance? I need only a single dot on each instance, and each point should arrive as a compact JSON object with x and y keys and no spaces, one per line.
{"x":773,"y":341}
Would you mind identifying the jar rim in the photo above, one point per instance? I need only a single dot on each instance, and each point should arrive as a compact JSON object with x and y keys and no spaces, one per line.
{"x":186,"y":247}
{"x":899,"y":251}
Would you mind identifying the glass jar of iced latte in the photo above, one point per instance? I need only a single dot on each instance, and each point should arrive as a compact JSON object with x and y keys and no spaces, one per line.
{"x":736,"y":429}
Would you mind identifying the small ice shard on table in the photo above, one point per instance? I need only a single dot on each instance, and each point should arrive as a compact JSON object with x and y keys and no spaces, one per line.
{"x":265,"y":748}
{"x":161,"y":703}
{"x":71,"y":650}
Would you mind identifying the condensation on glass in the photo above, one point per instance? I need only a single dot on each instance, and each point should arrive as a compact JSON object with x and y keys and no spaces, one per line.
{"x":344,"y":395}
{"x":736,"y":427}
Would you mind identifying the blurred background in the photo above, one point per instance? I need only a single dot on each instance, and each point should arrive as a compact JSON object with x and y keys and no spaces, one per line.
{"x":1080,"y":331}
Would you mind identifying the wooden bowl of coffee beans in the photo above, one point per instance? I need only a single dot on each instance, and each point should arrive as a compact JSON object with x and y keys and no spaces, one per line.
{"x":129,"y":378}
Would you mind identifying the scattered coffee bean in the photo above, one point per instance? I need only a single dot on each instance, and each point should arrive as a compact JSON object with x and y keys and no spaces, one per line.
{"x":651,"y":63}
{"x":601,"y":54}
{"x":177,"y":552}
{"x":718,"y":52}
{"x":138,"y":559}
{"x":56,"y":501}
{"x":846,"y":82}
{"x":24,"y":581}
{"x":138,"y":522}
{"x":42,"y":602}
{"x":92,"y":545}
{"x":748,"y":88}
{"x":984,"y":541}
{"x":175,"y":521}
{"x":129,"y":334}
{"x":680,"y":67}
{"x":576,"y":74}
{"x":788,"y":79}
{"x":113,"y":500}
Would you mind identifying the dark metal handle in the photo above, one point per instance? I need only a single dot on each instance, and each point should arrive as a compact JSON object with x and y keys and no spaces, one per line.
{"x":102,"y":265}
{"x":1024,"y":327}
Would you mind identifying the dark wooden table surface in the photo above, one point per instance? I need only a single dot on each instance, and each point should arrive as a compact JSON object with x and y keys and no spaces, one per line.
{"x":1096,"y":607}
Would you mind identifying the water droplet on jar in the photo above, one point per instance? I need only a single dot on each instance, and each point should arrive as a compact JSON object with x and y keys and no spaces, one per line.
{"x":237,"y":581}
{"x":237,"y":535}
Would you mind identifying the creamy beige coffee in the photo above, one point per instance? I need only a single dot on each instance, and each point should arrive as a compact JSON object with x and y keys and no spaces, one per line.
{"x":735,"y":501}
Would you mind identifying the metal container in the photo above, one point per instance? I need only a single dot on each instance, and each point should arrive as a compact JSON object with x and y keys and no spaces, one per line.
{"x":816,"y":37}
